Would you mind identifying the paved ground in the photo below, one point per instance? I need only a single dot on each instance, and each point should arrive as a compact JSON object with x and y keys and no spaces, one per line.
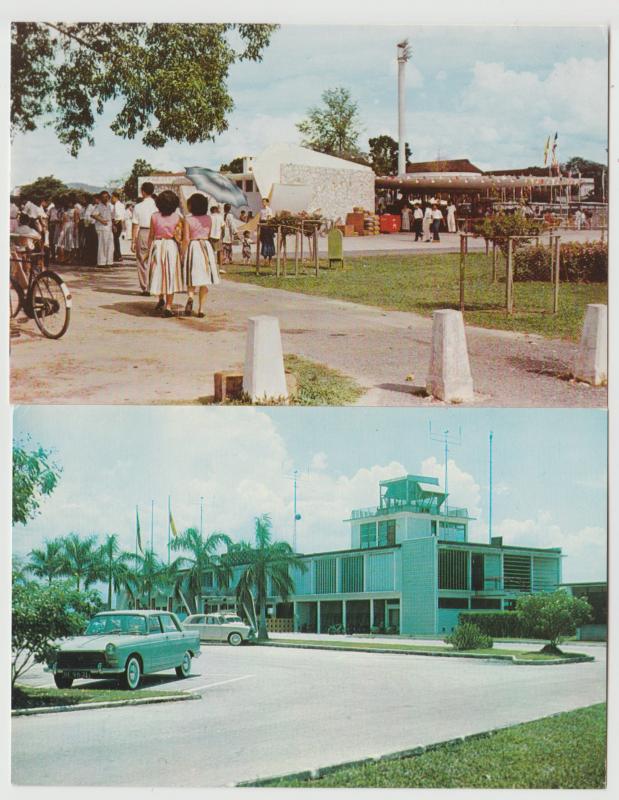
{"x":268,"y":711}
{"x":116,"y":351}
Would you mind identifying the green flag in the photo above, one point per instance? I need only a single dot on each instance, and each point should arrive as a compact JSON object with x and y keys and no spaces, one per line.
{"x":172,"y":525}
{"x":138,"y":535}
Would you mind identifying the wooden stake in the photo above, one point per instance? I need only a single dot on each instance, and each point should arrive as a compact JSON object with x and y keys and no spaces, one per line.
{"x":258,"y":250}
{"x":555,"y":301}
{"x":509,"y":282}
{"x":278,"y":242}
{"x":462,"y":269}
{"x":296,"y":253}
{"x":316,"y":264}
{"x":494,"y":260}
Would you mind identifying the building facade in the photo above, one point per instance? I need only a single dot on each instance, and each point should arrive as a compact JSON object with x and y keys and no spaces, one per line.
{"x":410,"y":569}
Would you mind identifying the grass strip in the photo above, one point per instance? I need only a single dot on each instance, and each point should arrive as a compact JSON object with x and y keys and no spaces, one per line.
{"x":426,"y":282}
{"x":37,"y":697}
{"x":566,"y":751}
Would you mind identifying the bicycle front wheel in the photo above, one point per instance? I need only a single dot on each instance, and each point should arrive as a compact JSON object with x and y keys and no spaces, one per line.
{"x":50,"y":301}
{"x":16,"y":298}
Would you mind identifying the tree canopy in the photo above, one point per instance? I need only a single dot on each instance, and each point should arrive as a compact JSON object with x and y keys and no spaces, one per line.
{"x":383,"y":155}
{"x":334,"y":127}
{"x":170,"y":79}
{"x":44,"y":188}
{"x":35,"y":476}
{"x":235,"y":166}
{"x":140,"y":169}
{"x":552,"y":616}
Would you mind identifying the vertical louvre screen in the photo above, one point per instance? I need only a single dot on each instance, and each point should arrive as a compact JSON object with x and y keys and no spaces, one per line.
{"x":380,"y":573}
{"x":452,"y":569}
{"x":545,"y":574}
{"x":517,"y":572}
{"x":352,"y":574}
{"x":325,"y":576}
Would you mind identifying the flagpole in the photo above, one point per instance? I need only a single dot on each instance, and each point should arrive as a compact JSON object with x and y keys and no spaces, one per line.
{"x":169,"y":518}
{"x":136,"y":550}
{"x":152,"y":525}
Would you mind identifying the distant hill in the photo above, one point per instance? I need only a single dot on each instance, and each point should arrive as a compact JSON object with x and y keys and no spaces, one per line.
{"x":86,"y":187}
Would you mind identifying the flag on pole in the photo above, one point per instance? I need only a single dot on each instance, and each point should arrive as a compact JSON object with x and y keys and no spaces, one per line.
{"x":546,"y":149}
{"x":172,"y":525}
{"x":138,"y":532}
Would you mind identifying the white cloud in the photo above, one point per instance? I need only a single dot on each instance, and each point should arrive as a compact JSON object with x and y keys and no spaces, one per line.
{"x":319,"y":461}
{"x":585,"y":549}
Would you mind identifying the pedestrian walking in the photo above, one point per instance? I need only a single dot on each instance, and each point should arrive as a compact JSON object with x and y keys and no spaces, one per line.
{"x":406,"y":217}
{"x":90,"y":234}
{"x":418,"y":222}
{"x":140,"y":231}
{"x":117,"y":223}
{"x":246,"y":247}
{"x":199,"y":262}
{"x":217,"y":226}
{"x":228,"y":234}
{"x":103,"y":217}
{"x":267,"y":240}
{"x":437,"y":218}
{"x":427,"y":222}
{"x":451,"y":217}
{"x":165,"y":273}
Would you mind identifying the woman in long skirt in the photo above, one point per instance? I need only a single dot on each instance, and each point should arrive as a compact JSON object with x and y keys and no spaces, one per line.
{"x":199,"y":262}
{"x":165,"y":274}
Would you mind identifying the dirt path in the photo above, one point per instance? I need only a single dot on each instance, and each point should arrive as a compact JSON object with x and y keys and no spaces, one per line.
{"x":116,"y":351}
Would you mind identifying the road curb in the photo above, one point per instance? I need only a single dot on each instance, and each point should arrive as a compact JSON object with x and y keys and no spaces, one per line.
{"x":474,"y":656}
{"x":319,"y":772}
{"x":142,"y":701}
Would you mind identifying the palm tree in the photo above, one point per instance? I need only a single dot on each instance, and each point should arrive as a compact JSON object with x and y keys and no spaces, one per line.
{"x":149,"y":576}
{"x":203,"y":558}
{"x":81,"y":559}
{"x":265,"y":559}
{"x":116,"y":565}
{"x":47,"y":562}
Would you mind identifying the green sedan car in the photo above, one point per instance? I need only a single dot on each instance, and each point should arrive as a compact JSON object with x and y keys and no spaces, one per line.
{"x":125,"y":645}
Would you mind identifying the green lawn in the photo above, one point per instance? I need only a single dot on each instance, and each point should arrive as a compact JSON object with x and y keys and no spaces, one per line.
{"x":31,"y":697}
{"x":529,"y":655}
{"x":563,"y":752}
{"x":425,"y":282}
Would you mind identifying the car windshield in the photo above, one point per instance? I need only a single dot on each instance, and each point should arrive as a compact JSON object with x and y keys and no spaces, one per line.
{"x":116,"y":623}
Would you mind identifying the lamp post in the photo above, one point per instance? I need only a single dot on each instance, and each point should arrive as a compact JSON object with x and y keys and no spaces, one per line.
{"x":403,"y":52}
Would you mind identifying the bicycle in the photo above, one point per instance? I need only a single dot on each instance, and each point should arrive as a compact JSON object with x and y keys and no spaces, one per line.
{"x":46,"y":298}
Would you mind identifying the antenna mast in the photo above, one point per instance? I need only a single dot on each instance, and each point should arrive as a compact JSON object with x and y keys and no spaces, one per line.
{"x":446,"y":441}
{"x":490,"y":491}
{"x":295,"y":515}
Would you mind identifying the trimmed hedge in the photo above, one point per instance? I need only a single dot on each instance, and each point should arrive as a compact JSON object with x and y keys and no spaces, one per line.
{"x":585,"y":262}
{"x":498,"y":624}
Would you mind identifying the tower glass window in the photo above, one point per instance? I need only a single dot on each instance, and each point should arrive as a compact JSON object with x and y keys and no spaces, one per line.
{"x":368,"y":534}
{"x":386,"y":532}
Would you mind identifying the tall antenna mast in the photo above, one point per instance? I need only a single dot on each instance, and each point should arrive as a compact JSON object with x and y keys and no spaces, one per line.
{"x":201,"y":516}
{"x":446,"y":441}
{"x":490,"y":491}
{"x":295,"y":515}
{"x":404,"y":52}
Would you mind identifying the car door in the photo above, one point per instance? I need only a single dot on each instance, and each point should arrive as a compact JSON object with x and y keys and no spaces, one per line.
{"x":197,"y":624}
{"x":154,"y":645}
{"x":174,"y":644}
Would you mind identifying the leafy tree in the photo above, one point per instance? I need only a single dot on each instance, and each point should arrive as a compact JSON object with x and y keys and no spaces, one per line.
{"x":82,"y":560}
{"x":171,"y":78}
{"x":42,"y":614}
{"x":383,"y":155}
{"x":265,"y":559}
{"x":500,"y":226}
{"x":140,"y":169}
{"x":552,"y":616}
{"x":35,"y":476}
{"x":43,"y":188}
{"x":334,"y":127}
{"x":203,"y":558}
{"x":149,"y":576}
{"x":589,"y":169}
{"x":47,"y":562}
{"x":235,"y":166}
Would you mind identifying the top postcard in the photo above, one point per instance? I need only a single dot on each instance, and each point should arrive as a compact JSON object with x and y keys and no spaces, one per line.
{"x":265,"y":214}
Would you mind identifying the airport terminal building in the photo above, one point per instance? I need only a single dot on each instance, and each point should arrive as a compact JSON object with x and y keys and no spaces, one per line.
{"x":410,"y":569}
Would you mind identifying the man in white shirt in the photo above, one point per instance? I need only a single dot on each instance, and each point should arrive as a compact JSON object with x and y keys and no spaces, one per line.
{"x":437,"y":218}
{"x":142,"y":212}
{"x":103,"y":217}
{"x":117,"y":223}
{"x":418,"y":222}
{"x":217,"y":225}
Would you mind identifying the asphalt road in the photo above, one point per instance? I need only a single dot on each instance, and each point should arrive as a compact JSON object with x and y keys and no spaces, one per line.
{"x":270,"y":711}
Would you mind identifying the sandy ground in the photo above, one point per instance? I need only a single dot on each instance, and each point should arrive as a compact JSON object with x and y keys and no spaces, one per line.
{"x":117,"y":351}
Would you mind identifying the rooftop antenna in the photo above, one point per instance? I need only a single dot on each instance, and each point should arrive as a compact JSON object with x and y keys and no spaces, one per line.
{"x":295,"y":478}
{"x":490,"y":491}
{"x":404,"y":53}
{"x":447,"y":441}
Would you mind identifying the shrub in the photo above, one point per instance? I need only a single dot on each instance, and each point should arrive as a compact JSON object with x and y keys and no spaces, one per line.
{"x":333,"y":629}
{"x":466,"y":636}
{"x":498,"y":624}
{"x":585,"y":262}
{"x":377,"y":629}
{"x":552,"y":616}
{"x":500,"y":226}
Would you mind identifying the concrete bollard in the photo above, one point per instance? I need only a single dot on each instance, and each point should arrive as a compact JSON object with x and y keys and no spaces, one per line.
{"x":449,"y":378}
{"x":591,"y":363}
{"x":263,"y":375}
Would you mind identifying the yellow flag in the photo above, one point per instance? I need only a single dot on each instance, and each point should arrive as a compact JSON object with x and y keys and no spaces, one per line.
{"x":172,"y":525}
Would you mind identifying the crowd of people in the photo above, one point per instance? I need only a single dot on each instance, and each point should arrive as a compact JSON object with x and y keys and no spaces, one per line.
{"x":426,"y":219}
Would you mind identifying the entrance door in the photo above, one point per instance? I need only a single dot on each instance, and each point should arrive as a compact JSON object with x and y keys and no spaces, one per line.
{"x":393,"y":618}
{"x":477,"y":572}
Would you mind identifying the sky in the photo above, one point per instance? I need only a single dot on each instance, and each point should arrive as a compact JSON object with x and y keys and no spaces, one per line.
{"x":240,"y":460}
{"x":491,"y":94}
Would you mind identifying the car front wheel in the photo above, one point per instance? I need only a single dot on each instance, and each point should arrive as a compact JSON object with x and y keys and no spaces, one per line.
{"x":235,"y":639}
{"x":184,"y":669}
{"x":63,"y":682}
{"x":132,"y":674}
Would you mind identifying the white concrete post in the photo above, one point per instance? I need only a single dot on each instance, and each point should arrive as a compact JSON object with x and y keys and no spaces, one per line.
{"x":318,"y":616}
{"x":263,"y":376}
{"x":295,"y":621}
{"x":371,"y":612}
{"x":449,"y":377}
{"x":591,"y":363}
{"x":344,"y":615}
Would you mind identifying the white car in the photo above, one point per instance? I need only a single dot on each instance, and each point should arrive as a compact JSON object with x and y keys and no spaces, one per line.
{"x":219,"y":627}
